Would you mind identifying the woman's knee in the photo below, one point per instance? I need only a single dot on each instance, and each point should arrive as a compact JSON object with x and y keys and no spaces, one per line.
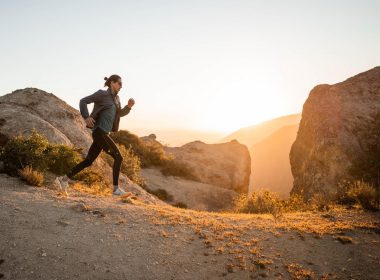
{"x":88,"y":161}
{"x":120,"y":157}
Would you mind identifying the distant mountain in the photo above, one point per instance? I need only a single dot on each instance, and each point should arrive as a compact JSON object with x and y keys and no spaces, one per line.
{"x":270,"y":166}
{"x":177,"y":137}
{"x":253,"y":134}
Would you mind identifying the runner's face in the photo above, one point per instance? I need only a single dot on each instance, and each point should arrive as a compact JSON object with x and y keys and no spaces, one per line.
{"x":116,"y":86}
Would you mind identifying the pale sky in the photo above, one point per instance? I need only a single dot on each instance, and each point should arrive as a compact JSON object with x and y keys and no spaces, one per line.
{"x":213,"y":66}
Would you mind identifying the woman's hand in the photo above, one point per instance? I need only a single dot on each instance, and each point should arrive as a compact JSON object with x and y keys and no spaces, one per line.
{"x":90,"y":122}
{"x":131,"y":102}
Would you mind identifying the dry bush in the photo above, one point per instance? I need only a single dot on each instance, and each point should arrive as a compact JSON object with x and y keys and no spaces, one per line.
{"x":174,"y":168}
{"x":364,"y":194}
{"x":295,"y":202}
{"x":149,"y":154}
{"x":320,"y":202}
{"x":36,"y":151}
{"x":162,"y":194}
{"x":131,"y":164}
{"x":32,"y":177}
{"x":260,"y":202}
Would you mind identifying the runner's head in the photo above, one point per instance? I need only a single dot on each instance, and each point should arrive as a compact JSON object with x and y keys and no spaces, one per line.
{"x":113,"y":82}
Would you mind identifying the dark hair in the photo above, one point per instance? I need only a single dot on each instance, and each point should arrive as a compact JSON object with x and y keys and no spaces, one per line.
{"x":114,"y":78}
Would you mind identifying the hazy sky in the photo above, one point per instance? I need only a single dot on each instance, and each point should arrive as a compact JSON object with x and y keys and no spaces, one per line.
{"x":203,"y":65}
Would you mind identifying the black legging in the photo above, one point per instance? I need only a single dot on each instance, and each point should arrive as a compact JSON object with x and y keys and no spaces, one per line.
{"x":101,"y":141}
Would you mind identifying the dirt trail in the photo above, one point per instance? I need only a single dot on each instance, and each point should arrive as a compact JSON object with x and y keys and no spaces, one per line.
{"x":47,"y":236}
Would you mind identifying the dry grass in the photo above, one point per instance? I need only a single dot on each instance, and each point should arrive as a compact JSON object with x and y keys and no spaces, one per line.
{"x":364,"y":194}
{"x":32,"y":177}
{"x":231,"y":233}
{"x":296,"y":271}
{"x":97,"y":189}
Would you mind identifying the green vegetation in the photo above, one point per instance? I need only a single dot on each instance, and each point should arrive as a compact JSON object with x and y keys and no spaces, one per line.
{"x":130,"y":166}
{"x":150,"y":155}
{"x":180,"y":205}
{"x":173,"y":168}
{"x":360,"y":193}
{"x":30,"y":156}
{"x":36,"y":151}
{"x":161,"y":194}
{"x":90,"y":177}
{"x":350,"y":193}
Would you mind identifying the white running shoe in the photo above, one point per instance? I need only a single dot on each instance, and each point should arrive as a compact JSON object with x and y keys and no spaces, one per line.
{"x":62,"y":183}
{"x":120,"y":192}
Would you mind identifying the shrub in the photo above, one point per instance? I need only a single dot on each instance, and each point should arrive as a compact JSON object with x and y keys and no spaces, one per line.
{"x":36,"y":151}
{"x":364,"y":194}
{"x":180,"y":205}
{"x":320,"y":202}
{"x":131,"y":164}
{"x":174,"y":168}
{"x":261,"y":202}
{"x":150,"y":155}
{"x":162,"y":194}
{"x":295,"y":202}
{"x":21,"y":151}
{"x":62,"y":158}
{"x":89,"y":177}
{"x":32,"y":177}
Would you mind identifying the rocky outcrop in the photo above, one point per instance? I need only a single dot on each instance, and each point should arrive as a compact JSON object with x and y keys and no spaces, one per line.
{"x":226,"y":165}
{"x":25,"y":109}
{"x":339,"y":135}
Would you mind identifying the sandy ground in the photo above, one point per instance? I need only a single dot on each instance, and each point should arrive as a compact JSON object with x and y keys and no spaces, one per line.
{"x":45,"y":235}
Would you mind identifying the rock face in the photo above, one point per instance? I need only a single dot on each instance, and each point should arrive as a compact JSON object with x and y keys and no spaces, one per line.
{"x":339,"y":135}
{"x":227,"y":165}
{"x":25,"y":109}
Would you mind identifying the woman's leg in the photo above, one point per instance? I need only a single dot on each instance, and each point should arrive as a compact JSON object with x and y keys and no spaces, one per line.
{"x":113,"y":150}
{"x":93,"y":153}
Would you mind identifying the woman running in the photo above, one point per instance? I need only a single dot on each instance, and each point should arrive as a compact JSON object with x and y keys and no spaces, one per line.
{"x":104,"y":118}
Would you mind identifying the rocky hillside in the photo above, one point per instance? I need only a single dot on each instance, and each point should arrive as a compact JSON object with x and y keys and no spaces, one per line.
{"x":25,"y":109}
{"x":339,"y":135}
{"x":46,"y":236}
{"x":223,"y":169}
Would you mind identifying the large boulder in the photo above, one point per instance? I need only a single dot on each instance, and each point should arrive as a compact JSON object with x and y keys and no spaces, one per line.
{"x":25,"y":109}
{"x":339,"y":135}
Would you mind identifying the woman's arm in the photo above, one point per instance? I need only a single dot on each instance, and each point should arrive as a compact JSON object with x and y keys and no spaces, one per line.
{"x":86,"y":100}
{"x":127,"y":108}
{"x":125,"y":111}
